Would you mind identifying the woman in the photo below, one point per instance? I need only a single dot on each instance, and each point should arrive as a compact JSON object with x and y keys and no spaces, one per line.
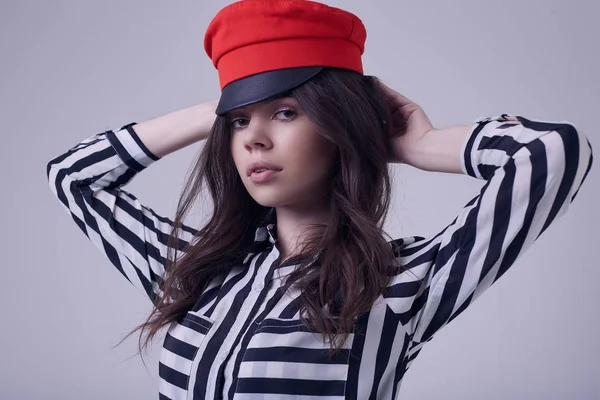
{"x":291,"y":289}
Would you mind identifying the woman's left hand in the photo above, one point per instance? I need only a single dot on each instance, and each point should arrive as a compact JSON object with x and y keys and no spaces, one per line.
{"x":409,"y":125}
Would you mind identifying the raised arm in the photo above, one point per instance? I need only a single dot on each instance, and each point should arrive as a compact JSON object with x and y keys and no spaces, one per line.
{"x":88,"y":179}
{"x":533,"y":171}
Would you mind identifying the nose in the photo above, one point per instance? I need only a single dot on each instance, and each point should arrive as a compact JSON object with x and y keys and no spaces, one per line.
{"x":256,"y":135}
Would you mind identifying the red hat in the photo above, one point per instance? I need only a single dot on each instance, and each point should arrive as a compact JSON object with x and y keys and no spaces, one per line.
{"x":263,"y":48}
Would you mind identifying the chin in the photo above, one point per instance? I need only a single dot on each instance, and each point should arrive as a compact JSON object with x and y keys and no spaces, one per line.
{"x":269,"y":197}
{"x":267,"y":201}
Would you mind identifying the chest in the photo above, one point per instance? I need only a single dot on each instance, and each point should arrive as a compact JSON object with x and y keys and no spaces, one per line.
{"x":244,"y":339}
{"x":247,"y":338}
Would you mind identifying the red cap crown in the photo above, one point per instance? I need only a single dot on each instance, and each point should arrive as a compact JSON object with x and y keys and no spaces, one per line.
{"x":253,"y":36}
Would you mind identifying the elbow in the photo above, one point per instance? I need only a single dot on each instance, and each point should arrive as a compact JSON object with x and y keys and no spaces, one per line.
{"x":52,"y":164}
{"x":49,"y":168}
{"x":575,"y":161}
{"x":51,"y":175}
{"x":577,"y":147}
{"x":55,"y":172}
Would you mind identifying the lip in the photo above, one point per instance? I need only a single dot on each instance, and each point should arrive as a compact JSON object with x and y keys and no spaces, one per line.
{"x":262,"y":165}
{"x":259,"y":177}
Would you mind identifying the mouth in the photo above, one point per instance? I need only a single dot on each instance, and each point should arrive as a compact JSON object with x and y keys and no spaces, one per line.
{"x":263,"y":175}
{"x":259,"y":167}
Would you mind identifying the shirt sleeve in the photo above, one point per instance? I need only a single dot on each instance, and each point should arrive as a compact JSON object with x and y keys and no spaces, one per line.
{"x":533,"y":171}
{"x":88,"y":181}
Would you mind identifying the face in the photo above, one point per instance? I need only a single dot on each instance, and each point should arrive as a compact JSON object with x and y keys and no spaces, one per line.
{"x":279,"y":133}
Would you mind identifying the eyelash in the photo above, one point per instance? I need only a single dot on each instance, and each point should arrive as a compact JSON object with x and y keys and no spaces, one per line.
{"x":233,"y":121}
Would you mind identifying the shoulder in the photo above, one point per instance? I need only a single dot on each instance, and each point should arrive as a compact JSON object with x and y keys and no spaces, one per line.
{"x":407,"y":245}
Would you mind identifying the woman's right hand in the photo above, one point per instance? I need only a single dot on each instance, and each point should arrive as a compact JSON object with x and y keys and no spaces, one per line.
{"x":173,"y":131}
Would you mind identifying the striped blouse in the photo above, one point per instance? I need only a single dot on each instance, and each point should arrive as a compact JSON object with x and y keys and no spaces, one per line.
{"x":243,"y":338}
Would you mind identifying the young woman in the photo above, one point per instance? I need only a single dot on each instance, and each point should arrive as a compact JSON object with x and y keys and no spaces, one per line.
{"x":291,"y":288}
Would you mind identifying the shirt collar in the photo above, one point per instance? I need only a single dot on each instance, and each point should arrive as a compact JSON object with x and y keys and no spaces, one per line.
{"x":267,"y":231}
{"x":266,"y":234}
{"x":265,"y":239}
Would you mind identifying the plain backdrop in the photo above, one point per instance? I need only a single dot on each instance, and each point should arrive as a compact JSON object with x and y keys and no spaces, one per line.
{"x":71,"y":69}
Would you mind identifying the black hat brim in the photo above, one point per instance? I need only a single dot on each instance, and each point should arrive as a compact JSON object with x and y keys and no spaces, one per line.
{"x":259,"y":87}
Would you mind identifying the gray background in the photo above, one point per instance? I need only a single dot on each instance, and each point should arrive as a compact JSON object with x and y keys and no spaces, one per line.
{"x":71,"y":69}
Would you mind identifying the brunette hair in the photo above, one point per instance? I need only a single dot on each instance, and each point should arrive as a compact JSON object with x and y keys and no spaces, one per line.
{"x":354,"y":263}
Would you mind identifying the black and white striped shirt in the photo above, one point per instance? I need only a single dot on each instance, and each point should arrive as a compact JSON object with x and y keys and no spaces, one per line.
{"x":243,"y":339}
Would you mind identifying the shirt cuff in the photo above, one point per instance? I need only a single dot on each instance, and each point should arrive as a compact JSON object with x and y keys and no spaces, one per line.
{"x":130,"y":148}
{"x":471,"y":150}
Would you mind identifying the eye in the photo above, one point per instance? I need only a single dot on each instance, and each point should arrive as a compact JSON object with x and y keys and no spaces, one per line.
{"x":234,"y":121}
{"x":289,"y":113}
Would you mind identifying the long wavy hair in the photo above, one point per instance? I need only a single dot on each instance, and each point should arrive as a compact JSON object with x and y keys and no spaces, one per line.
{"x":342,"y":268}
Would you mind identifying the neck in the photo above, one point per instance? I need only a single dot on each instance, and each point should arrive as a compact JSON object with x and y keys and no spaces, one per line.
{"x":293,"y":225}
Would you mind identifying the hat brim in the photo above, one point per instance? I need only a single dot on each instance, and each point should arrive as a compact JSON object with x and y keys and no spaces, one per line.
{"x":256,"y":88}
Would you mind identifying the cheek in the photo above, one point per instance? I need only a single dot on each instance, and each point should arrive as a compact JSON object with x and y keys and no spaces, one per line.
{"x":313,"y":157}
{"x":322,"y":151}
